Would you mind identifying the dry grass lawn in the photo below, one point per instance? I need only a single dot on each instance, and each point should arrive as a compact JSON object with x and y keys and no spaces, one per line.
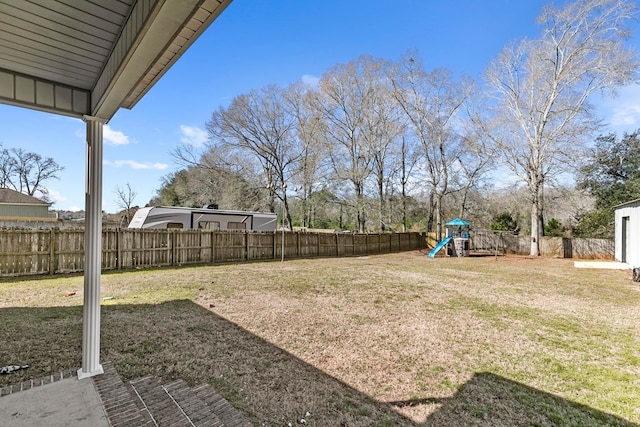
{"x":396,"y":339}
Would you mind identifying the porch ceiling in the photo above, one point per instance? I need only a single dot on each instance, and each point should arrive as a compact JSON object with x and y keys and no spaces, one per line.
{"x":91,"y":57}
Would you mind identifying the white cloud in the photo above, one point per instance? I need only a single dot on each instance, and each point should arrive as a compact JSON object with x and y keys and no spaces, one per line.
{"x":622,"y":112}
{"x":310,"y":80}
{"x":135,"y":165}
{"x":74,"y":209}
{"x":193,"y":136}
{"x":114,"y":137}
{"x":109,"y":136}
{"x":626,"y":115}
{"x":55,"y":196}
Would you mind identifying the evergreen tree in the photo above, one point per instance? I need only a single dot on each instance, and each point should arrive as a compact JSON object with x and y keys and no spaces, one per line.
{"x":612,"y":176}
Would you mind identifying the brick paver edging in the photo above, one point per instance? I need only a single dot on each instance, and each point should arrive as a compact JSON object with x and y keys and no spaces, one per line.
{"x":27,"y":385}
{"x":118,"y":402}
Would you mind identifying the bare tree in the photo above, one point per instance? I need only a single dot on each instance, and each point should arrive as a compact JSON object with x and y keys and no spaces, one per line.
{"x":26,"y":171}
{"x":407,"y":159}
{"x":382,"y":129}
{"x":214,"y":181}
{"x":542,"y":88}
{"x":432,"y":103}
{"x":216,"y":174}
{"x":308,"y":128}
{"x":345,"y":101}
{"x":124,"y":200}
{"x":260,"y":124}
{"x":469,"y":169}
{"x":7,"y":169}
{"x":477,"y":154}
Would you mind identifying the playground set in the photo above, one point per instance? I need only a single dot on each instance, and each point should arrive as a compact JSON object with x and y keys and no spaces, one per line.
{"x":456,"y":239}
{"x":459,"y":242}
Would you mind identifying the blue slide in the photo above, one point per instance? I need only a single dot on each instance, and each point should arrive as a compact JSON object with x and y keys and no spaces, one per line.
{"x":439,"y":246}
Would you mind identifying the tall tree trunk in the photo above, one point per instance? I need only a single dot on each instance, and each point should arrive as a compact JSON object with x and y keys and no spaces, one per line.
{"x":360,"y":209}
{"x":305,"y":210}
{"x":541,"y":211}
{"x":430,"y":210}
{"x":404,"y":210}
{"x":287,"y":212}
{"x":404,"y":186}
{"x":535,"y":232}
{"x":438,"y":213}
{"x":463,"y":204}
{"x":271,"y":202}
{"x":381,"y":200}
{"x":536,"y":215}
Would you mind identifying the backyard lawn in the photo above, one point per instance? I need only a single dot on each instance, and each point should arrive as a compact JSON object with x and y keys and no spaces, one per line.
{"x":398,"y":339}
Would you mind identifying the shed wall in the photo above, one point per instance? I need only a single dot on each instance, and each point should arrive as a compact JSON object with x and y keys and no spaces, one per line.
{"x":632,"y":211}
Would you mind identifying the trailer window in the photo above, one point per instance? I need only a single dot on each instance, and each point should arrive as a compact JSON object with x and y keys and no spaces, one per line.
{"x":236,"y":226}
{"x":175,"y":225}
{"x":209,"y":225}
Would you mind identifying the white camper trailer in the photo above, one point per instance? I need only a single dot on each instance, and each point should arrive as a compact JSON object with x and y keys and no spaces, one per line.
{"x":203,"y":218}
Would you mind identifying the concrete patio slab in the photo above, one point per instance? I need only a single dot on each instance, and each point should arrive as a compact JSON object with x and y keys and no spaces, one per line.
{"x":68,"y":402}
{"x":610,"y":265}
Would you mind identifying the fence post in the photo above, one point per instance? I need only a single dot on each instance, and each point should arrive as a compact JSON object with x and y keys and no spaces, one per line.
{"x":567,"y":248}
{"x":246,"y":246}
{"x":52,"y":251}
{"x":118,"y":249}
{"x":298,"y":244}
{"x":275,"y":243}
{"x":173,"y":247}
{"x":213,"y":247}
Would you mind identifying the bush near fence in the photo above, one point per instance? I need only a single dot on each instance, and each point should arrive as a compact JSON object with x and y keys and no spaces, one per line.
{"x":54,"y":251}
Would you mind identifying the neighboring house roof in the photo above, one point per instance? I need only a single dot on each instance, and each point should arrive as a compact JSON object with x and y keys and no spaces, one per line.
{"x":8,"y":196}
{"x":629,"y":203}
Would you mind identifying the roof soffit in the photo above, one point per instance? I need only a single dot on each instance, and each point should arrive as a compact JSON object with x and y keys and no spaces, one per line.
{"x":84,"y":57}
{"x":144,"y":52}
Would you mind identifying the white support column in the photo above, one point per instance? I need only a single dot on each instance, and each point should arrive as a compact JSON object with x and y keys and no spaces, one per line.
{"x":92,"y":251}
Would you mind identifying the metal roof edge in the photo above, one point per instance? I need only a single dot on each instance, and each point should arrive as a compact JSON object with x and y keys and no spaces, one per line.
{"x":625,"y":204}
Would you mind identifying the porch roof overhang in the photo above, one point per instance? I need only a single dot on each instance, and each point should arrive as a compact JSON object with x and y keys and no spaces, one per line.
{"x":91,"y":57}
{"x":86,"y":59}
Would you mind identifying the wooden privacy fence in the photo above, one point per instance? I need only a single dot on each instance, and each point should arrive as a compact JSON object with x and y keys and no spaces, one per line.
{"x":29,"y":252}
{"x":561,"y":247}
{"x":505,"y":243}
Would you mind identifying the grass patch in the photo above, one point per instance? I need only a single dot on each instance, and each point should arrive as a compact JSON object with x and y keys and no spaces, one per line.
{"x":396,"y":339}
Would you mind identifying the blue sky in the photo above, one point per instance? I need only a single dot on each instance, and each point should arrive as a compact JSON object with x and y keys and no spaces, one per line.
{"x":257,"y":42}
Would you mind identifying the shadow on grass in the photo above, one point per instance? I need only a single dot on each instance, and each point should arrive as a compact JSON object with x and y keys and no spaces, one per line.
{"x":180,"y":339}
{"x":492,"y":400}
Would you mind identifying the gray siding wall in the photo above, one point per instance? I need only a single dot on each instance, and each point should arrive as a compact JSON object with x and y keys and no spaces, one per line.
{"x":30,"y":211}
